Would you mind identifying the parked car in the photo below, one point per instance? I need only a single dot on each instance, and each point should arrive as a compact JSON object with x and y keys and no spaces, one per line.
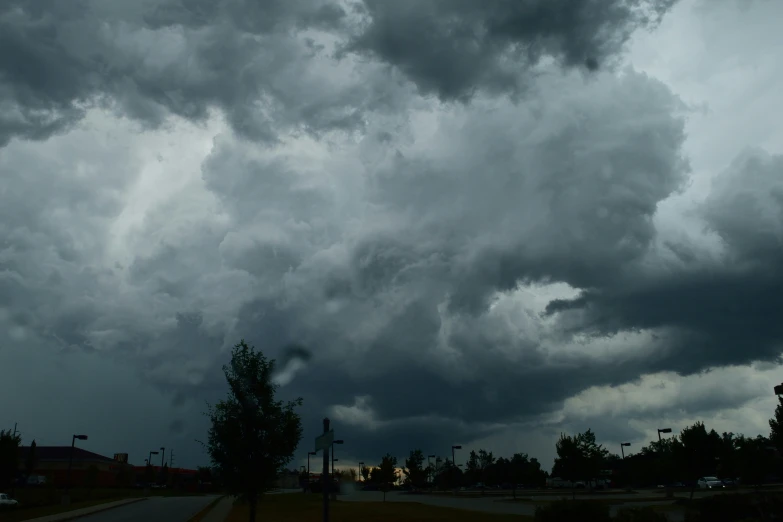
{"x":709,"y":483}
{"x":6,"y":501}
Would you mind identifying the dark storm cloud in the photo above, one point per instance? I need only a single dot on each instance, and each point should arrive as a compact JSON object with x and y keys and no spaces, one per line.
{"x":455,"y":47}
{"x":150,"y":59}
{"x":722,"y":314}
{"x":387,"y":253}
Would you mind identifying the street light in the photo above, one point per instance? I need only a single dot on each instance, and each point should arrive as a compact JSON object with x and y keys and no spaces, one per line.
{"x":162,"y":456}
{"x":70,"y":458}
{"x":622,"y":445}
{"x":452,"y":453}
{"x":663,"y":430}
{"x":150,"y":457}
{"x":339,"y":441}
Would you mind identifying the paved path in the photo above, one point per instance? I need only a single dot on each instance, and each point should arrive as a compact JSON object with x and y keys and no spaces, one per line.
{"x":154,"y":509}
{"x":220,"y":511}
{"x":78,"y":513}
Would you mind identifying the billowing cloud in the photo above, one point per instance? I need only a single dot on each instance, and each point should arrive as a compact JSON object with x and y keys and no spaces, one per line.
{"x":202,"y":172}
{"x":456,"y":48}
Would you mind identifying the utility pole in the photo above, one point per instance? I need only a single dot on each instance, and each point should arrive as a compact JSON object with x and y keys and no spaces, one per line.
{"x":325,"y":474}
{"x":15,"y":429}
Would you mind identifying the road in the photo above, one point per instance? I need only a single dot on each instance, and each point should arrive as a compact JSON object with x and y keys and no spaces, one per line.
{"x":154,"y":509}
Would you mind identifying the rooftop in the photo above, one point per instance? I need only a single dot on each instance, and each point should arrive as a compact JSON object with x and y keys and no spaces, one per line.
{"x":62,"y":453}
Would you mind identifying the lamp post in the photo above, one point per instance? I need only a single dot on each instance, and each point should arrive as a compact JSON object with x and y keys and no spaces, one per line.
{"x":66,"y":499}
{"x":162,"y":456}
{"x":623,"y":445}
{"x":452,"y":453}
{"x":663,"y":430}
{"x":340,"y":441}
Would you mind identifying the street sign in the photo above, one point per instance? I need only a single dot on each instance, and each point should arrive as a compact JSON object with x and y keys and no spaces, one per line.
{"x":324,"y":441}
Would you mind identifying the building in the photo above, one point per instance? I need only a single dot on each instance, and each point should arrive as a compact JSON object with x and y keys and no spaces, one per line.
{"x":87,"y":467}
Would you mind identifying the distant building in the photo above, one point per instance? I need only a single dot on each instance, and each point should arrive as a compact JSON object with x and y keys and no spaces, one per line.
{"x":52,"y":462}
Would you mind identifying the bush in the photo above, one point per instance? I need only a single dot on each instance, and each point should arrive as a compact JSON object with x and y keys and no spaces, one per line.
{"x":639,"y":515}
{"x":570,"y":510}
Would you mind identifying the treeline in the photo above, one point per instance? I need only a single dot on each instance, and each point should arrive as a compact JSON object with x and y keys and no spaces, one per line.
{"x":695,"y":452}
{"x":481,"y":467}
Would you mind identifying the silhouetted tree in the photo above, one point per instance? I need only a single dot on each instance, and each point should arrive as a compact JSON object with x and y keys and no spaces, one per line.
{"x":414,"y":470}
{"x":9,"y":457}
{"x":365,"y":472}
{"x":776,"y":426}
{"x":252,"y":436}
{"x":164,"y":473}
{"x":31,"y":462}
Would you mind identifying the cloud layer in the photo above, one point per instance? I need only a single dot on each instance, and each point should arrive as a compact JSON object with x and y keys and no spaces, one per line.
{"x":458,"y":210}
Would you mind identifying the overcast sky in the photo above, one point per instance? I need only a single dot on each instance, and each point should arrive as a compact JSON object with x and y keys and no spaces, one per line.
{"x":489,"y":222}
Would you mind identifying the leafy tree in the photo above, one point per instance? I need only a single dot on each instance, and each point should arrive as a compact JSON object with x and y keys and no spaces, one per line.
{"x":9,"y":457}
{"x":776,"y":426}
{"x":414,"y":470}
{"x":164,"y":473}
{"x":352,"y":474}
{"x":385,"y":474}
{"x":699,"y":452}
{"x":204,"y":474}
{"x":449,"y":476}
{"x":365,"y":472}
{"x":570,"y":463}
{"x":754,"y":459}
{"x":253,"y":436}
{"x":31,"y":462}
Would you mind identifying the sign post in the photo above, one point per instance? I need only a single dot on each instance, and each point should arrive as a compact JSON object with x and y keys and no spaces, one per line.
{"x":324,"y":442}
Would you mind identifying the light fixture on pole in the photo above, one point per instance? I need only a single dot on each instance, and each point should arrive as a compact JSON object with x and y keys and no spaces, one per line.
{"x":456,"y":447}
{"x":623,"y":445}
{"x":70,"y":458}
{"x":663,"y":430}
{"x":340,"y":441}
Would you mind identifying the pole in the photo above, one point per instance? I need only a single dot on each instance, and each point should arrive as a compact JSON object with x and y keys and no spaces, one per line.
{"x":15,"y":429}
{"x":621,"y":451}
{"x":70,"y":465}
{"x":162,"y":457}
{"x":333,"y":461}
{"x":452,"y":456}
{"x":659,"y":435}
{"x":325,"y":474}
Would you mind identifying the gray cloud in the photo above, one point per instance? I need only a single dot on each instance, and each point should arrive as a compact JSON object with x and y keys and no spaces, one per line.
{"x":427,"y":254}
{"x":155,"y":58}
{"x":723,"y":313}
{"x":455,"y":48}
